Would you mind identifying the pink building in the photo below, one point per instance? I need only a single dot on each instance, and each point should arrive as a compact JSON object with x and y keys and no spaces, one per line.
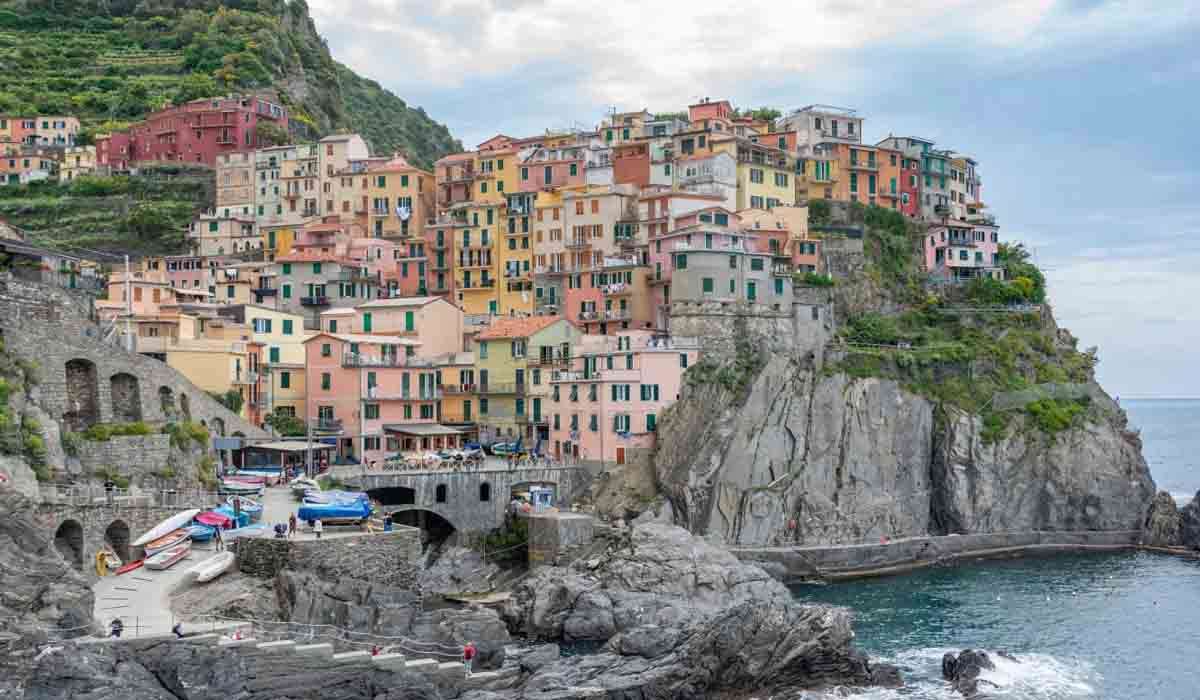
{"x":374,"y":396}
{"x":434,"y":323}
{"x":605,"y":409}
{"x":958,"y":251}
{"x":195,"y":132}
{"x":546,"y":168}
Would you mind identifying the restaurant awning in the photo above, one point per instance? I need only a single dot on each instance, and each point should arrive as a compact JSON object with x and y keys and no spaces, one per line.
{"x":422,"y":430}
{"x":290,"y":446}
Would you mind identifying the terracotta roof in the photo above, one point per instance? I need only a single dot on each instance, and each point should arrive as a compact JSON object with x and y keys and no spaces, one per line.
{"x":398,"y":302}
{"x":517,"y":327}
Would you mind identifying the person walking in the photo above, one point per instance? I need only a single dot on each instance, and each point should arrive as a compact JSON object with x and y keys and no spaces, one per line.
{"x":468,"y":656}
{"x":317,"y":528}
{"x":291,"y":526}
{"x":117,"y":627}
{"x":177,"y":630}
{"x":220,"y":541}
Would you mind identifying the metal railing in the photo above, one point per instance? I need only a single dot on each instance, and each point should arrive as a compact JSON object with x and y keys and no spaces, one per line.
{"x":98,"y":495}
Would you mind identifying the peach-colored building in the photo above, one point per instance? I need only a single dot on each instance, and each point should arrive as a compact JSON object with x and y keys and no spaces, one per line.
{"x":605,"y":409}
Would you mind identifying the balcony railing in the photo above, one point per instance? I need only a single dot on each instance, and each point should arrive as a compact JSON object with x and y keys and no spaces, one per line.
{"x":502,"y":388}
{"x":314,"y":301}
{"x":382,"y":394}
{"x":459,"y":388}
{"x":327,"y":425}
{"x":265,"y":291}
{"x":351,"y":359}
{"x":578,"y":243}
{"x":479,"y":284}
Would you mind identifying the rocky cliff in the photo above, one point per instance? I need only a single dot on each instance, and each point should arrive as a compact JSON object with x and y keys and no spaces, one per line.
{"x":912,"y":410}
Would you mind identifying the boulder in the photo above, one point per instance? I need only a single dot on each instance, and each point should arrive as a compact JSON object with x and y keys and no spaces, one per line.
{"x":1163,"y":522}
{"x":1189,"y":524}
{"x":963,"y":671}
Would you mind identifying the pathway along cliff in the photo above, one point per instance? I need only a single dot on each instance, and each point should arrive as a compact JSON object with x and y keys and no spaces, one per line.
{"x":909,"y":411}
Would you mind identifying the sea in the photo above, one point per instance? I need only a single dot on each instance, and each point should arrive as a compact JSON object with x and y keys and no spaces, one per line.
{"x":1112,"y":626}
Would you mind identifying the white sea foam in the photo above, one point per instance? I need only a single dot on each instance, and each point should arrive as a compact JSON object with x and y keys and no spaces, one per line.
{"x":1031,"y":677}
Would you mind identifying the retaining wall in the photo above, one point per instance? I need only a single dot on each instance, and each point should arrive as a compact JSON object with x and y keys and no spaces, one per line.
{"x":388,"y":558}
{"x":790,"y":564}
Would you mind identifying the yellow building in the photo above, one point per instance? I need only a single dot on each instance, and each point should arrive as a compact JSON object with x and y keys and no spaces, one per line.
{"x":817,"y":178}
{"x":475,"y":260}
{"x":515,"y":255}
{"x":77,"y":160}
{"x":502,"y":371}
{"x":277,"y":240}
{"x":460,"y":398}
{"x":217,"y":355}
{"x":765,"y":175}
{"x":400,"y":198}
{"x":281,"y":335}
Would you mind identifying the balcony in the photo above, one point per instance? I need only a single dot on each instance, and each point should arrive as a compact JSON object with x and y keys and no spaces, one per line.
{"x":436,"y":266}
{"x":502,"y":388}
{"x":468,"y":263}
{"x":327,"y":425}
{"x":889,"y":194}
{"x":619,"y":289}
{"x":314,"y":301}
{"x":548,"y":360}
{"x":351,"y":359}
{"x":459,"y":389}
{"x":575,"y":243}
{"x":480,"y":284}
{"x":526,"y":419}
{"x":376,"y":393}
{"x":859,"y":165}
{"x":264,"y":291}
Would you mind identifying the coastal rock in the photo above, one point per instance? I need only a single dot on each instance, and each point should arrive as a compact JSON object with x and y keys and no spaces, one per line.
{"x":680,"y":618}
{"x":1189,"y":524}
{"x":350,"y":603}
{"x":1163,"y":522}
{"x":963,"y":670}
{"x":458,"y":570}
{"x":1090,"y":477}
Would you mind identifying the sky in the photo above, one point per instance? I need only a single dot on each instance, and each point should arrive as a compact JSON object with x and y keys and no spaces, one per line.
{"x":1081,"y":113}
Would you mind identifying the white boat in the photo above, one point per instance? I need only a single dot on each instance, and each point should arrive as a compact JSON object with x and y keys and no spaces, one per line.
{"x":166,"y":527}
{"x":167,"y":541}
{"x":302,"y":484}
{"x":256,"y":530}
{"x":213,"y":567}
{"x":169,"y":557}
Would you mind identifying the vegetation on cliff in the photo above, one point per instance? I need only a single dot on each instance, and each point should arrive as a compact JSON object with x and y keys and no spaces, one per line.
{"x":959,"y":345}
{"x":112,"y":61}
{"x":144,"y":215}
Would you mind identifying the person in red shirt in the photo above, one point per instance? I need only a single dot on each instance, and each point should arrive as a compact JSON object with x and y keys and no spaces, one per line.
{"x":468,"y":656}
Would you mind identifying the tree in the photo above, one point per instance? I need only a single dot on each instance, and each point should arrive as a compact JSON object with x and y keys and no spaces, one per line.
{"x":195,"y":86}
{"x":286,"y":425}
{"x":231,"y":399}
{"x":271,"y":134}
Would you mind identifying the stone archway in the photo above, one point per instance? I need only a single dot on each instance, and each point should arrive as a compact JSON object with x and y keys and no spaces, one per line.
{"x":116,"y":535}
{"x":68,"y":540}
{"x":185,"y":406}
{"x":126,"y":398}
{"x":166,"y":400}
{"x":435,"y":527}
{"x":83,"y":395}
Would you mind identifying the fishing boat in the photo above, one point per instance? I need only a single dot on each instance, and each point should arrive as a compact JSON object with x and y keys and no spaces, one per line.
{"x":214,"y":519}
{"x":350,"y":511}
{"x":252,"y":508}
{"x":167,"y":541}
{"x":245,"y":478}
{"x":240,"y":488}
{"x":320,"y":497}
{"x":241,"y":519}
{"x":255,"y":530}
{"x":213,"y":567}
{"x":201,"y":532}
{"x":171,"y":524}
{"x":169,"y":557}
{"x":131,"y":566}
{"x":300,"y":486}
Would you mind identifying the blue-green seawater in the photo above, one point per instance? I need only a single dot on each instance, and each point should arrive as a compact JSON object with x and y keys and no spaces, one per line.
{"x":1085,"y":626}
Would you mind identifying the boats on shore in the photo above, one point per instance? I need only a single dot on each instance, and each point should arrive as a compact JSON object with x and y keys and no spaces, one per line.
{"x":327,"y":497}
{"x":250,"y":507}
{"x":167,"y":541}
{"x":215,"y":520}
{"x":337,"y":512}
{"x":302,"y":485}
{"x":239,"y":519}
{"x":213,"y":567}
{"x":201,"y":532}
{"x":255,"y":530}
{"x":171,"y":524}
{"x":169,"y":557}
{"x":240,"y":488}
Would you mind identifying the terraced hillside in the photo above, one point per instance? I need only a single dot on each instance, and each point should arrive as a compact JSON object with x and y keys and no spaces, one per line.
{"x":112,"y":61}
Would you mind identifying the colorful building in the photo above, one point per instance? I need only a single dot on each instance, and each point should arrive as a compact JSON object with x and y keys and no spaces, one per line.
{"x":958,"y":251}
{"x":281,"y":336}
{"x":77,"y":161}
{"x":604,"y":410}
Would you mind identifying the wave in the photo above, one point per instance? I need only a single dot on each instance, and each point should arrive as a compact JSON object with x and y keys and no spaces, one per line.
{"x":1031,"y":677}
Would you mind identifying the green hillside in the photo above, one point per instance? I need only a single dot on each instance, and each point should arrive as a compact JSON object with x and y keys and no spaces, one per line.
{"x":112,"y":61}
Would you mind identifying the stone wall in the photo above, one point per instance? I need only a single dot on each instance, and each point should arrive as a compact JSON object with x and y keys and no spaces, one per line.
{"x":553,"y":536}
{"x":84,"y":380}
{"x":133,"y":456}
{"x":802,"y":328}
{"x":96,"y":524}
{"x":387,"y":558}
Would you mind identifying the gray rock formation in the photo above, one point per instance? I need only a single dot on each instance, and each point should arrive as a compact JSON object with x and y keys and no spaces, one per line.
{"x":1163,"y":522}
{"x":349,"y":603}
{"x":963,"y":670}
{"x":458,"y":570}
{"x":41,"y":597}
{"x":808,"y":458}
{"x":680,"y":618}
{"x":1189,"y":524}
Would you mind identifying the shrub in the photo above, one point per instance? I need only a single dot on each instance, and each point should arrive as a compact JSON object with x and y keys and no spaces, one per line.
{"x":1054,"y":415}
{"x":206,"y":471}
{"x":103,"y":432}
{"x":231,"y":399}
{"x":72,"y":443}
{"x":110,"y":473}
{"x":818,"y":212}
{"x":185,"y":432}
{"x":814,"y":279}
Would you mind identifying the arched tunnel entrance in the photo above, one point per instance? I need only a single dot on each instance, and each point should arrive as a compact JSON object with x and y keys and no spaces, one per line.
{"x":68,"y":540}
{"x":116,"y":535}
{"x":435,"y":530}
{"x":393,"y":496}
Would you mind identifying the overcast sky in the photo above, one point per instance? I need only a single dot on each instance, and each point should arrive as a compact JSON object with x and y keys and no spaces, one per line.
{"x":1082,"y":114}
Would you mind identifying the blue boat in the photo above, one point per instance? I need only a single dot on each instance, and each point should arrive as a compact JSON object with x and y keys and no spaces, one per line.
{"x":201,"y":533}
{"x":240,"y":520}
{"x":326,"y":512}
{"x":252,"y":508}
{"x":325,"y":497}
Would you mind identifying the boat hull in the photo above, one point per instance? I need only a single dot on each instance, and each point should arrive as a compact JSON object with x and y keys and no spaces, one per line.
{"x":167,"y":526}
{"x":213,"y":567}
{"x":169,"y":557}
{"x":166,"y":542}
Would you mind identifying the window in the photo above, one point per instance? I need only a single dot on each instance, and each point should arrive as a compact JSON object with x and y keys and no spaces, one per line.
{"x":781,"y":180}
{"x":683,"y":360}
{"x":485,"y":489}
{"x":756,"y":264}
{"x":316,"y":268}
{"x":579,"y":207}
{"x":756,"y":175}
{"x":651,"y":422}
{"x":439,"y":493}
{"x":366,"y":323}
{"x":595,"y":206}
{"x":778,"y":286}
{"x":285,"y":380}
{"x":483,"y":407}
{"x":371,"y":411}
{"x":621,"y":423}
{"x":326,"y":350}
{"x":326,"y":381}
{"x":287,"y":326}
{"x":333,"y":325}
{"x":483,"y":350}
{"x":524,"y":173}
{"x":520,"y":407}
{"x":574,"y":169}
{"x":273,"y":355}
{"x":751,"y":290}
{"x":681,"y":262}
{"x":649,"y":392}
{"x":706,"y":285}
